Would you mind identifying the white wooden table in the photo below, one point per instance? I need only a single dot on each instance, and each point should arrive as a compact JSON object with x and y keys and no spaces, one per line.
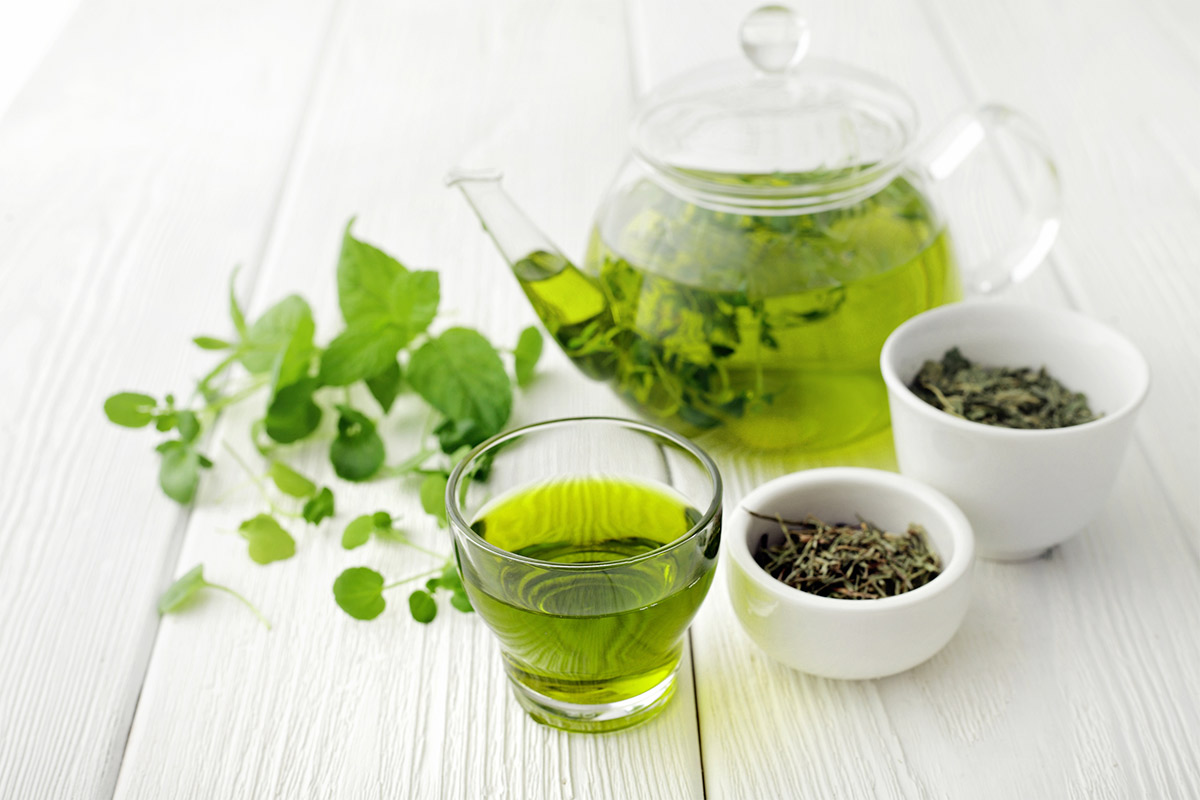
{"x":160,"y":143}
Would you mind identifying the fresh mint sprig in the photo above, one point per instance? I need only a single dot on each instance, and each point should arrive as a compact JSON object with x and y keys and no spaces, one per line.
{"x":386,"y":347}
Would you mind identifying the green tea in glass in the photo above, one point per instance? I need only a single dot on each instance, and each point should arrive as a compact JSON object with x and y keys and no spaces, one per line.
{"x":587,"y":550}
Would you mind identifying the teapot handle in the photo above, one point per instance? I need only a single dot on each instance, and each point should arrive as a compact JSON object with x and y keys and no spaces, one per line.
{"x":1024,"y":169}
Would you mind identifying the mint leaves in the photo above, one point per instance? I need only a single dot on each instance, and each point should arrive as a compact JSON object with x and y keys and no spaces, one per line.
{"x":384,"y":348}
{"x":460,"y":374}
{"x":433,"y":496}
{"x":130,"y":409}
{"x":526,"y":355}
{"x":359,"y":592}
{"x":362,"y":528}
{"x":290,"y":482}
{"x":384,"y":306}
{"x":318,"y":507}
{"x":357,"y":453}
{"x":189,"y":584}
{"x":267,"y":539}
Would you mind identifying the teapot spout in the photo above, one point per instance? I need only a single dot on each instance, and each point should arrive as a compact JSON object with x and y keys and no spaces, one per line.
{"x":572,"y":306}
{"x":526,"y":249}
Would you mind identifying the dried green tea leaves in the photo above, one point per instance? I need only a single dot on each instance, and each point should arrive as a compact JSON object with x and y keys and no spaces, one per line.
{"x":848,"y":562}
{"x":1006,"y":397}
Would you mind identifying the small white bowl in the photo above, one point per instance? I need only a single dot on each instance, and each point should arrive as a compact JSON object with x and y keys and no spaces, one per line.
{"x":852,"y":639}
{"x":1023,"y":490}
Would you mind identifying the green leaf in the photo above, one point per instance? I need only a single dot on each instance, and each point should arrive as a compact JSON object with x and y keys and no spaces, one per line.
{"x":365,"y":276}
{"x":292,"y":414}
{"x":188,"y":424}
{"x":422,"y":606}
{"x":449,"y":578}
{"x":460,"y":601}
{"x":182,"y":590}
{"x":382,"y":519}
{"x":526,"y":355}
{"x":294,"y":361}
{"x":433,"y":496}
{"x":377,"y":331}
{"x":364,"y":349}
{"x":413,"y":302}
{"x":186,"y":586}
{"x":358,"y":531}
{"x":460,"y":375}
{"x":385,"y":386}
{"x":270,"y":336}
{"x":130,"y":409}
{"x":359,"y":592}
{"x":179,"y":473}
{"x":318,"y":507}
{"x":211,"y":343}
{"x":268,"y":540}
{"x":289,"y":481}
{"x":457,"y":434}
{"x":357,"y":453}
{"x":235,"y":310}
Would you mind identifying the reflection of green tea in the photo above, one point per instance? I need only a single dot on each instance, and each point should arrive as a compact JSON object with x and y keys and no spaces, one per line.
{"x":590,"y":636}
{"x":767,"y":328}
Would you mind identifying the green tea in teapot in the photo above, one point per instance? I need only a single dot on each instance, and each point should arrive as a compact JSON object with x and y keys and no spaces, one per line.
{"x":763,"y":329}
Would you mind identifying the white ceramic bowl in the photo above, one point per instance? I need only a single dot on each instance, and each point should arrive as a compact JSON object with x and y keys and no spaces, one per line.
{"x":1024,"y":491}
{"x":849,"y":638}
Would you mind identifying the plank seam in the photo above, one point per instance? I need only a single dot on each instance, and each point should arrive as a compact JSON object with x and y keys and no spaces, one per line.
{"x":636,"y":89}
{"x":179,"y":533}
{"x":696,"y":708}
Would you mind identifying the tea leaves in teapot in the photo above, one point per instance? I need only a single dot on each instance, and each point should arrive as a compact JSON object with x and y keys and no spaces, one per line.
{"x":765,"y":329}
{"x":1002,"y":396}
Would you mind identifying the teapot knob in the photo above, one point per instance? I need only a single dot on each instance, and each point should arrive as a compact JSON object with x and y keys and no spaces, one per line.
{"x":774,"y":38}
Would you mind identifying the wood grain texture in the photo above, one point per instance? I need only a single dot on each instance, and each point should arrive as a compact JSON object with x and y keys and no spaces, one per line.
{"x":27,"y":32}
{"x":325,"y":706}
{"x":122,"y":207}
{"x":159,"y":144}
{"x":1118,"y":93}
{"x":1072,"y":676}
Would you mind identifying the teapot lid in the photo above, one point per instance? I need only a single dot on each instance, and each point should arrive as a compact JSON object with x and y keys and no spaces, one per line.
{"x":776,"y":129}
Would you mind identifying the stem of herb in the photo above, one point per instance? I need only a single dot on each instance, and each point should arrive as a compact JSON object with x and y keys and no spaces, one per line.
{"x":408,"y":466}
{"x":238,"y":396}
{"x":248,"y":470}
{"x":412,"y":578}
{"x":217,"y":370}
{"x":418,"y":548}
{"x":248,"y":604}
{"x":258,"y":483}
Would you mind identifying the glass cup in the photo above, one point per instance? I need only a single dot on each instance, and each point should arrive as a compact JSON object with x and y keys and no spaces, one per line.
{"x":587,"y":546}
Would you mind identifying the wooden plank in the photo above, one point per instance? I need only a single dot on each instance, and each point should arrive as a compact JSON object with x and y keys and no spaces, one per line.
{"x":1071,"y":675}
{"x":28,"y":32}
{"x":324,"y":705}
{"x":1118,"y":92}
{"x":141,"y":161}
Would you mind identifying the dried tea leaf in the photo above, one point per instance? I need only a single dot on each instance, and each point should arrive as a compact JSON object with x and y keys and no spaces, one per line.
{"x":849,"y":562}
{"x":1006,"y":397}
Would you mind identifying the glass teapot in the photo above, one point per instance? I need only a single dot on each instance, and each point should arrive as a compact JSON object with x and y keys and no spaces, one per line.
{"x":772,"y":225}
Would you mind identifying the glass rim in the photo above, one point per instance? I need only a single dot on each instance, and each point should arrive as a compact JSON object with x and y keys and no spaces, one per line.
{"x":459,"y":525}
